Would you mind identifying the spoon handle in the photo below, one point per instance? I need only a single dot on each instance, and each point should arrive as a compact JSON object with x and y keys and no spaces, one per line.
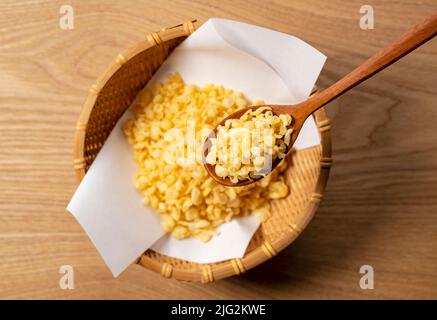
{"x":406,"y":43}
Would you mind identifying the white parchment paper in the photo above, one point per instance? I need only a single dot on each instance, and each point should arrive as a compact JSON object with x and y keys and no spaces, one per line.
{"x":264,"y":64}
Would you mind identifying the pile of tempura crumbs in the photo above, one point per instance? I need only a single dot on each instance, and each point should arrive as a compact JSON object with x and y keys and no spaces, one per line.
{"x":167,"y":132}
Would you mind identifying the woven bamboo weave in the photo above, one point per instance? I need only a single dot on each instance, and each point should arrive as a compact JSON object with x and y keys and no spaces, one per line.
{"x":307,"y":175}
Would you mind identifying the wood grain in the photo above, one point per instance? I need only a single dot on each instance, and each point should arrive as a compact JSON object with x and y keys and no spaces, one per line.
{"x":380,"y":206}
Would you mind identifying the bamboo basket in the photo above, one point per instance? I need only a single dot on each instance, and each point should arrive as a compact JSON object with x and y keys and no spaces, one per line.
{"x":306,"y":176}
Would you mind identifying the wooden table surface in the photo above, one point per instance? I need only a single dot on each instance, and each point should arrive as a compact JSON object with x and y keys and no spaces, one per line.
{"x":380,"y":206}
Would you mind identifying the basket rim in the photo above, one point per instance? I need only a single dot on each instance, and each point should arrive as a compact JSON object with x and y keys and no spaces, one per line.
{"x":212,"y":271}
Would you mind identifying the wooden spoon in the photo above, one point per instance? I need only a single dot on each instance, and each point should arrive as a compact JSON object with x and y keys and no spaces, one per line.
{"x":417,"y":36}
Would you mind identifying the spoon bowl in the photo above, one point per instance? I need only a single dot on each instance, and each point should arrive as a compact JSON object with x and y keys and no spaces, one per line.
{"x":297,"y":122}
